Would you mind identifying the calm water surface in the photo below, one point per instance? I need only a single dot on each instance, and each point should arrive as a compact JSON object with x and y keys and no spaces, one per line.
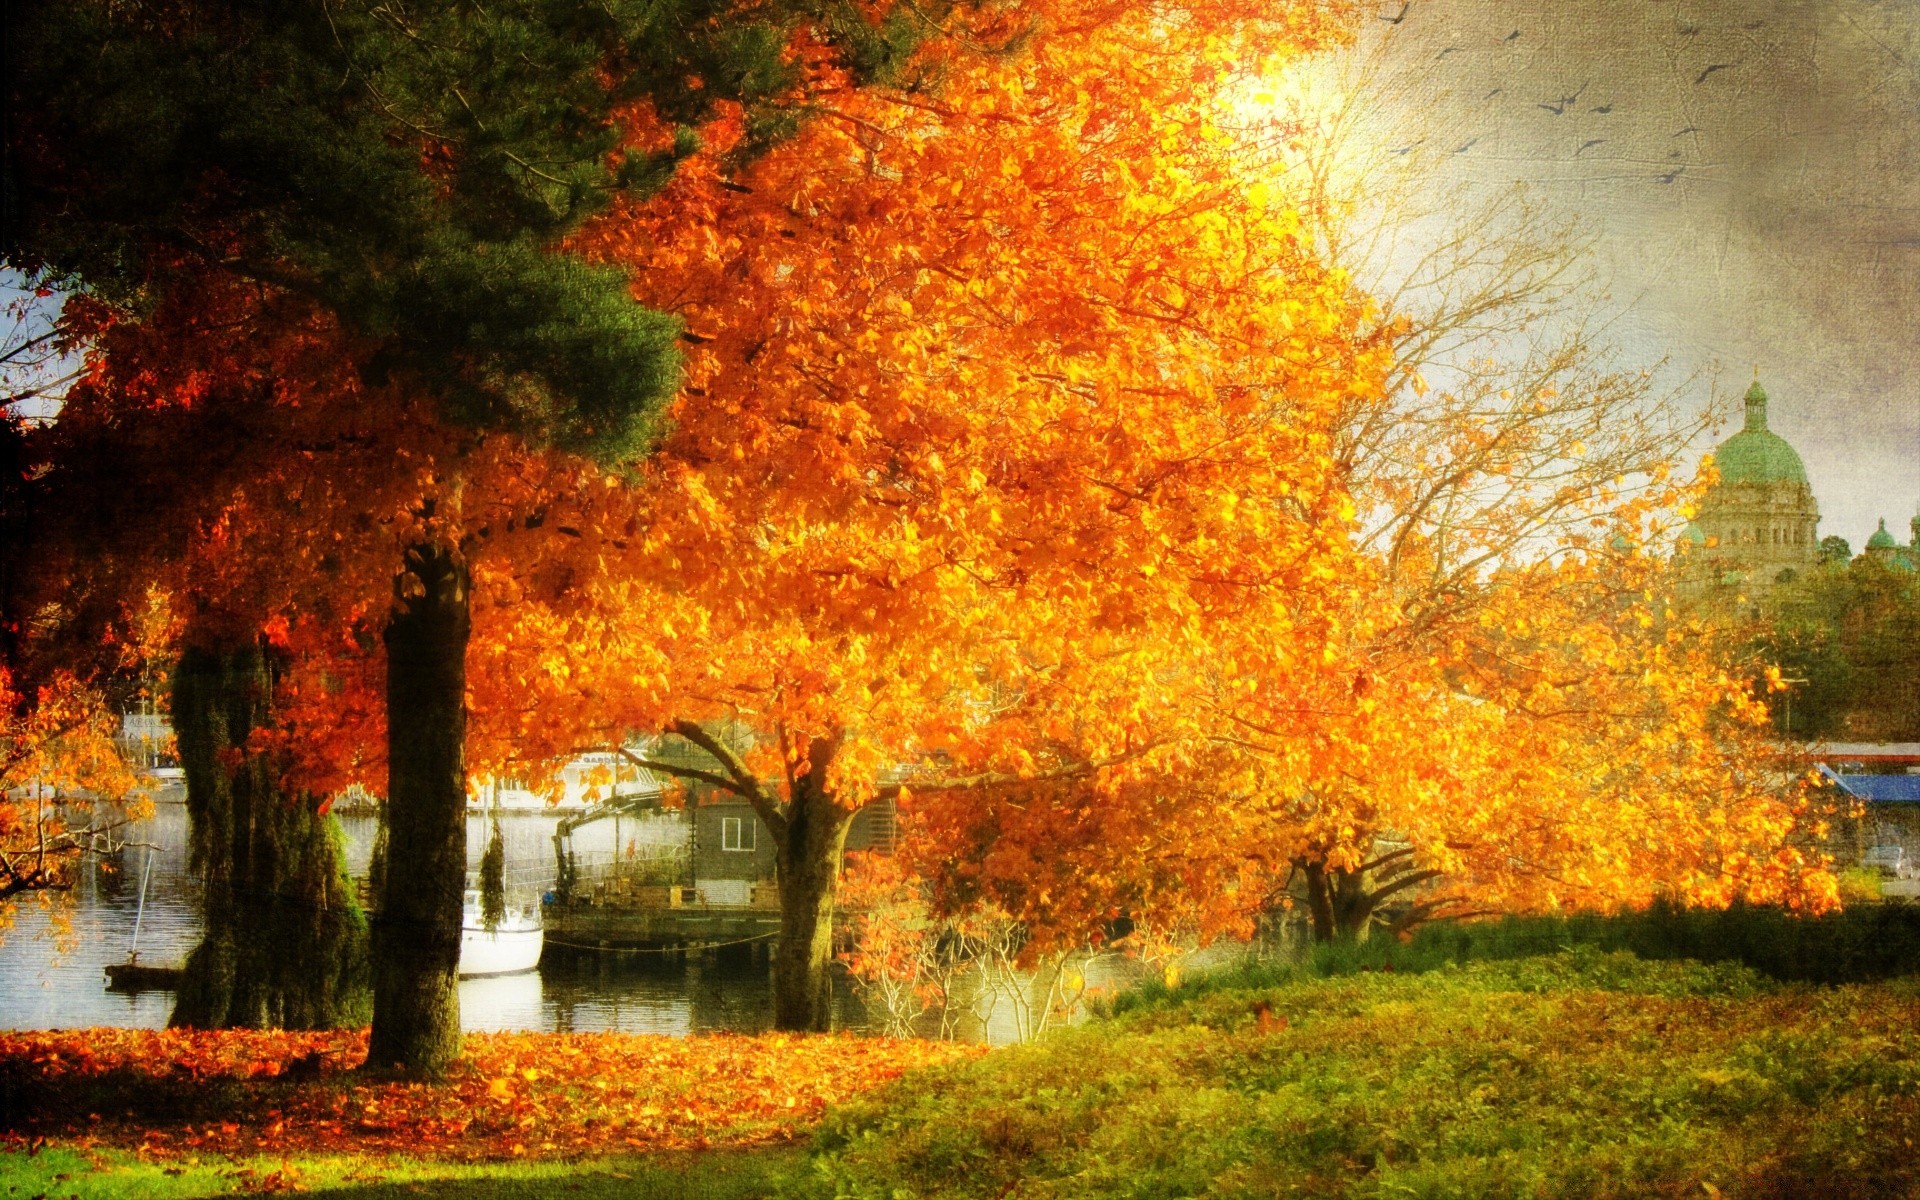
{"x":51,"y":960}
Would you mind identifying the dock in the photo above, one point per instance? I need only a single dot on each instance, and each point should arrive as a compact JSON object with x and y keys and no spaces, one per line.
{"x":596,"y":927}
{"x":141,"y":977}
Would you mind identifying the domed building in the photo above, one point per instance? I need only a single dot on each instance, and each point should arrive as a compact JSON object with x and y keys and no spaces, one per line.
{"x":1882,"y":548}
{"x":1760,"y":524}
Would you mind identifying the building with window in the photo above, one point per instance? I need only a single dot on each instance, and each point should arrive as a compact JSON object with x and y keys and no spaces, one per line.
{"x":733,"y":852}
{"x":1891,"y":554}
{"x":1759,"y":525}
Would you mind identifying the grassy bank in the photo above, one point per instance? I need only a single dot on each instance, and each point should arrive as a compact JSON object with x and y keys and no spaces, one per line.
{"x":1586,"y":1074}
{"x":58,"y":1174}
{"x":1863,"y":944}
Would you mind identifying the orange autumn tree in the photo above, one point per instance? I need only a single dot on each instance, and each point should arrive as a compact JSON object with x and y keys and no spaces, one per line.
{"x":292,"y":485}
{"x":1575,"y":745}
{"x":1571,"y":746}
{"x":1508,"y":718}
{"x":1514,"y":719}
{"x":393,"y":184}
{"x":1004,"y":396}
{"x":57,"y":760}
{"x":1516,"y":485}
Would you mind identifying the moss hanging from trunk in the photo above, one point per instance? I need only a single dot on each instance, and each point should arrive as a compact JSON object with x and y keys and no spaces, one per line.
{"x":284,"y":945}
{"x":493,"y":879}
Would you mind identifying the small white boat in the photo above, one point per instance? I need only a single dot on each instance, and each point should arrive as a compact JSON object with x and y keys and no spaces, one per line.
{"x":509,"y":948}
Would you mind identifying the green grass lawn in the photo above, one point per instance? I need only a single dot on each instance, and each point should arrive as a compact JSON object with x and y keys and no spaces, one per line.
{"x":1585,"y":1074}
{"x":1582,"y":1074}
{"x":115,"y":1175}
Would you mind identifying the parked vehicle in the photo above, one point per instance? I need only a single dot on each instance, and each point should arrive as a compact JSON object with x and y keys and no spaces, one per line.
{"x":1893,"y":862}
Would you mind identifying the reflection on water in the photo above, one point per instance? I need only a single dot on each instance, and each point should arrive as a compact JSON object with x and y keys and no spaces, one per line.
{"x":636,"y":993}
{"x":52,"y":960}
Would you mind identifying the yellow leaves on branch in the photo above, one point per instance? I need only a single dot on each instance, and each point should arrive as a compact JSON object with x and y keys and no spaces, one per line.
{"x":1007,"y":394}
{"x":56,"y":748}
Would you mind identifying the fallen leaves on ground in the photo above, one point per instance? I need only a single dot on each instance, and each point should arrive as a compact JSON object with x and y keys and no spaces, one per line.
{"x":179,"y":1092}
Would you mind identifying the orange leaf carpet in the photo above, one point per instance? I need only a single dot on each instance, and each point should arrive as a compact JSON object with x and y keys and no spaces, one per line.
{"x":177,"y":1092}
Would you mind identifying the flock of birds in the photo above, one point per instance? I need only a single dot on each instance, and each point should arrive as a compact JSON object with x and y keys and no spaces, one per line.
{"x":1569,"y":103}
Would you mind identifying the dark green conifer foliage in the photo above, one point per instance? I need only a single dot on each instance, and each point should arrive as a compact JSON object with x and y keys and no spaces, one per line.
{"x":407,"y":164}
{"x":411,"y":166}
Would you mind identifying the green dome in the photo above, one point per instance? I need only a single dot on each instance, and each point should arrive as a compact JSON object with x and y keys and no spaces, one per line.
{"x":1755,"y":455}
{"x":1693,"y":535}
{"x":1882,"y":540}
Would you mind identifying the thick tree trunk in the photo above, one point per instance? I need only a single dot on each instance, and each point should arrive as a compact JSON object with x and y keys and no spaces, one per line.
{"x":1319,"y":900}
{"x":808,"y":857}
{"x":1338,"y":902}
{"x":416,"y":1004}
{"x":1353,"y":904}
{"x":284,"y":945}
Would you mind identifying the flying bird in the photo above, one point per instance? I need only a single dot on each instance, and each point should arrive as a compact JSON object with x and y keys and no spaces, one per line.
{"x":1555,"y":108}
{"x":1670,"y":176}
{"x":1466,"y":146}
{"x":1589,"y":144}
{"x":1511,"y":36}
{"x":1447,"y":51}
{"x":1495,"y":92}
{"x":1408,"y":148}
{"x":1395,"y":20}
{"x":1603,"y":108}
{"x":1687,"y":130}
{"x":1702,"y":77}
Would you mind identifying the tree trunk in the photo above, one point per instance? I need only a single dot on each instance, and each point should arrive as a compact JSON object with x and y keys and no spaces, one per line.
{"x":1353,"y":904}
{"x":1338,"y":902}
{"x":1319,"y":901}
{"x":416,"y":1004}
{"x":284,"y":945}
{"x":808,"y":857}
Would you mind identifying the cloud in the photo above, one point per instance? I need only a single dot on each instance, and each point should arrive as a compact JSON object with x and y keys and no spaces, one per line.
{"x":1755,"y":200}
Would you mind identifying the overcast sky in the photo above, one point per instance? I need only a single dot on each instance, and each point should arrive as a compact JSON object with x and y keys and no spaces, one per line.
{"x":1751,"y":169}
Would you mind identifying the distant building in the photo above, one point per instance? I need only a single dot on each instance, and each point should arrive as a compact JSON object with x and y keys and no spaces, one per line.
{"x":1883,"y":549}
{"x":734,"y":851}
{"x":1759,"y":526}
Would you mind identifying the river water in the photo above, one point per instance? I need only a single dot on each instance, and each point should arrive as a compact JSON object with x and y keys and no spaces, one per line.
{"x":52,"y":957}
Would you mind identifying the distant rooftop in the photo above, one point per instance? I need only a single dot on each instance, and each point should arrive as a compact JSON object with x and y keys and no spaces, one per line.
{"x":1885,"y":752}
{"x":1757,"y":454}
{"x":1878,"y":789}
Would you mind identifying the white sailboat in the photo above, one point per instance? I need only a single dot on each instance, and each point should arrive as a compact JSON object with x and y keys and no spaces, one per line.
{"x":512,"y":946}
